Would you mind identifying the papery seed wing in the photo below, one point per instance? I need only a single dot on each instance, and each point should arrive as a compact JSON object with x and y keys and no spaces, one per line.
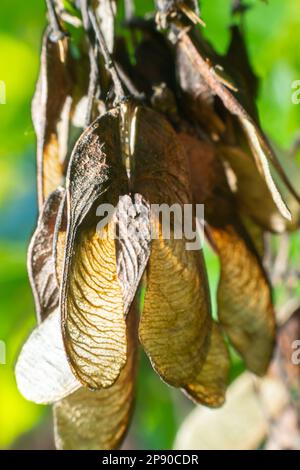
{"x":244,"y":295}
{"x":244,"y":299}
{"x":210,"y":385}
{"x":41,"y":260}
{"x":92,"y":305}
{"x":98,"y":420}
{"x":95,"y":168}
{"x":133,"y":245}
{"x":42,"y":371}
{"x":175,"y":324}
{"x":93,"y":310}
{"x":50,"y":113}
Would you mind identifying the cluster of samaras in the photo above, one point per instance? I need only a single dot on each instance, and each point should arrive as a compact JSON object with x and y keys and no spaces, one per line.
{"x":166,"y":128}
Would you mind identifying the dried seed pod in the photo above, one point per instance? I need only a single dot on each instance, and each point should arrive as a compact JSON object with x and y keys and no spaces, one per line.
{"x":92,"y":304}
{"x":41,"y":260}
{"x":175,"y":324}
{"x":244,"y":299}
{"x":98,"y":420}
{"x":244,"y":295}
{"x":51,"y":108}
{"x":259,"y":145}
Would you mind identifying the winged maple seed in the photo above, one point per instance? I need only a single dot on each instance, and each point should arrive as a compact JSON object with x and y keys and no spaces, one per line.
{"x":197,"y":145}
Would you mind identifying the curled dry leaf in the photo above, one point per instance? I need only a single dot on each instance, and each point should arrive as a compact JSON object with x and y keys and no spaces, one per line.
{"x":260,"y":147}
{"x":249,"y":188}
{"x":98,"y":420}
{"x":42,"y":371}
{"x":51,"y":108}
{"x":40,"y":258}
{"x":210,"y":385}
{"x":175,"y":324}
{"x":92,"y":305}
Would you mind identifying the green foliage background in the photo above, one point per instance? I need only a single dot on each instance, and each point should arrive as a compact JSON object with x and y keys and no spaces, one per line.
{"x":273,"y":38}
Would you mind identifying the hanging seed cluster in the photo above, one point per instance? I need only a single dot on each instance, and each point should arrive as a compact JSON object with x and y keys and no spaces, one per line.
{"x":140,"y":114}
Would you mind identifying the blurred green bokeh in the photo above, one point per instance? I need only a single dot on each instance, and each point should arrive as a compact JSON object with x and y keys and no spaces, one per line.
{"x":273,"y":34}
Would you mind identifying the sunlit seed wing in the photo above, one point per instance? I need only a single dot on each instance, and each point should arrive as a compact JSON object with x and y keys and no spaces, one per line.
{"x":175,"y":324}
{"x":244,"y":295}
{"x":210,"y":385}
{"x":50,"y":113}
{"x":42,"y":371}
{"x":133,"y":244}
{"x":244,"y":299}
{"x":92,"y":305}
{"x":40,"y":258}
{"x":98,"y":420}
{"x":94,"y":324}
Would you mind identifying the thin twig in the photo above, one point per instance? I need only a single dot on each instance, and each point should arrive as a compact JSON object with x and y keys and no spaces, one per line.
{"x":128,"y":83}
{"x":93,"y":56}
{"x":119,"y":91}
{"x":93,"y":83}
{"x":58,"y":32}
